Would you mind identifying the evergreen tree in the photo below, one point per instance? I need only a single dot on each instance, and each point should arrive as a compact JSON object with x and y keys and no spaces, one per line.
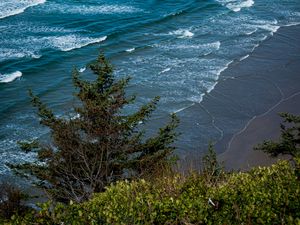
{"x":212,"y":169}
{"x":99,"y":146}
{"x":289,"y":143}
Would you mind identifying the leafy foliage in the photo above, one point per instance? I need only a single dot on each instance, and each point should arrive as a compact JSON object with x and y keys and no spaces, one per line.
{"x":267,"y":195}
{"x":289,"y":142}
{"x":102,"y":144}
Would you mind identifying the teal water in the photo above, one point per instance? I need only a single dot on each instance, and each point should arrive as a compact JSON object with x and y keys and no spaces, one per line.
{"x":173,"y":49}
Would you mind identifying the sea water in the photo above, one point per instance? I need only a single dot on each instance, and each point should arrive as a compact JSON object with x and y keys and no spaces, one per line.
{"x":174,"y":49}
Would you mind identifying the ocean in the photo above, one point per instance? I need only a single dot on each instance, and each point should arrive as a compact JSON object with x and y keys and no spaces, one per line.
{"x":174,"y":49}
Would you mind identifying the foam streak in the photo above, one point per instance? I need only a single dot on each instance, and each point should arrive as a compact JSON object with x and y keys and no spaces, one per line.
{"x":7,"y":78}
{"x":14,"y":7}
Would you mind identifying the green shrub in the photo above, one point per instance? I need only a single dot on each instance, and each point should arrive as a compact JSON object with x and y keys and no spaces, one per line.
{"x":265,"y":195}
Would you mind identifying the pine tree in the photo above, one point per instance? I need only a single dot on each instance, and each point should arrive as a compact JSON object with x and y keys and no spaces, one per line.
{"x":289,"y":142}
{"x":99,"y":146}
{"x":212,"y":169}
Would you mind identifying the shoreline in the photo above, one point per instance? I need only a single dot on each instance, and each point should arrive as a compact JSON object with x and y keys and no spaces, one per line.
{"x":239,"y":153}
{"x":250,"y":90}
{"x":251,"y":135}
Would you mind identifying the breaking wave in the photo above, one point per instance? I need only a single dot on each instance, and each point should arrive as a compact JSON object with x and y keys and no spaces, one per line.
{"x":182,"y":33}
{"x":14,"y":7}
{"x":71,"y":42}
{"x":236,"y":6}
{"x":9,"y":77}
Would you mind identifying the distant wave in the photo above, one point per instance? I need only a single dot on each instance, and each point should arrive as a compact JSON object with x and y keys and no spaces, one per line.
{"x":211,"y":83}
{"x":9,"y":77}
{"x":236,"y":6}
{"x":194,"y":99}
{"x":251,"y":32}
{"x":7,"y":53}
{"x":165,"y":70}
{"x":244,"y":57}
{"x":130,"y":50}
{"x":14,"y":7}
{"x":92,"y":9}
{"x":218,"y":72}
{"x":81,"y":70}
{"x":214,"y":45}
{"x":64,"y":43}
{"x":203,"y":49}
{"x":211,"y":46}
{"x":71,"y":42}
{"x":184,"y":108}
{"x":224,"y":68}
{"x":182,"y":33}
{"x":292,"y":24}
{"x":268,"y":25}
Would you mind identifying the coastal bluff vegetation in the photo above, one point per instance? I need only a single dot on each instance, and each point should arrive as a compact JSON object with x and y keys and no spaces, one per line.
{"x":101,"y":167}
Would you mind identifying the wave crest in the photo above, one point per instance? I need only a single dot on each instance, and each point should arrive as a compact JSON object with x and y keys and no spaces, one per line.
{"x":9,"y":77}
{"x":182,"y":33}
{"x":71,"y":42}
{"x":92,"y":9}
{"x":14,"y":7}
{"x":236,"y":6}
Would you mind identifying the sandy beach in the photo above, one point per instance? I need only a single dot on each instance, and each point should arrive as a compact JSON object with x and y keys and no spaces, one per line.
{"x":278,"y":61}
{"x":242,"y":110}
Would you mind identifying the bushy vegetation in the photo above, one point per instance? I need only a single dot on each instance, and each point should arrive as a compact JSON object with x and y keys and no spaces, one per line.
{"x":265,"y":195}
{"x":101,"y":169}
{"x":101,"y":145}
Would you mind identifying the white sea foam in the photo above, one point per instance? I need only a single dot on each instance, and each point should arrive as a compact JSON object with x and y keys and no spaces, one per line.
{"x":212,"y":87}
{"x":196,"y":99}
{"x":130,"y":50}
{"x":219,"y":71}
{"x":81,"y":70}
{"x":182,"y":33}
{"x":214,"y":45}
{"x":244,"y":57}
{"x":92,"y":9}
{"x":184,"y":108}
{"x":76,"y":116}
{"x":251,"y":32}
{"x":6,"y":53}
{"x":9,"y":77}
{"x":254,"y":47}
{"x":14,"y":7}
{"x":292,"y":24}
{"x":63,"y":43}
{"x":71,"y":42}
{"x":165,"y":70}
{"x":211,"y":46}
{"x":264,"y":37}
{"x":269,"y":27}
{"x":204,"y":49}
{"x":237,"y":5}
{"x":32,"y":27}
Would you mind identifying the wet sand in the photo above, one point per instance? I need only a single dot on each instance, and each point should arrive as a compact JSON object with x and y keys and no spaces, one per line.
{"x":240,"y":153}
{"x":280,"y":63}
{"x":242,"y":110}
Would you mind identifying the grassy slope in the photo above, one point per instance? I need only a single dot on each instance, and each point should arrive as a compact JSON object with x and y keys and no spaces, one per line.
{"x":265,"y":195}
